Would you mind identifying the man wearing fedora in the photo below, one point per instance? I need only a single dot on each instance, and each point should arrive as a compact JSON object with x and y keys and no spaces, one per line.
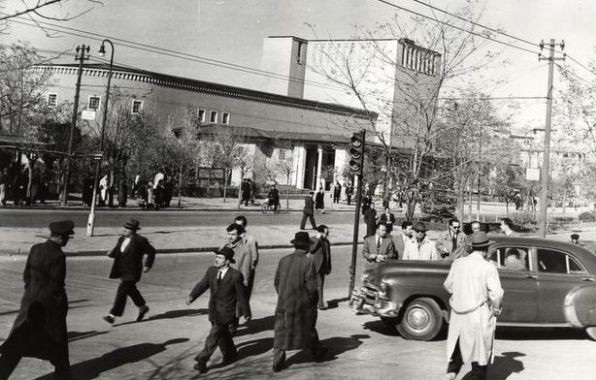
{"x":475,"y":302}
{"x":308,"y":211}
{"x":422,"y":248}
{"x":128,"y":267}
{"x":296,"y":311}
{"x":39,"y":330}
{"x":227,"y":290}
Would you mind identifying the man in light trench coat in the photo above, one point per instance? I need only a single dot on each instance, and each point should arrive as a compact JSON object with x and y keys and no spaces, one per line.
{"x":476,"y":295}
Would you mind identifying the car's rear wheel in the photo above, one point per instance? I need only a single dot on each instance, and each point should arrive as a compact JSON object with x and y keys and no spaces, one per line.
{"x":591,"y":331}
{"x":421,"y":320}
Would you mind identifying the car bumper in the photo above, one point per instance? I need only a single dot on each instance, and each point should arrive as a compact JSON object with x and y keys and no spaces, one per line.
{"x":371,"y":300}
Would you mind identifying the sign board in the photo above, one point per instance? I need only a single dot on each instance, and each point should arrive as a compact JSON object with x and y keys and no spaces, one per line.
{"x":532,"y":174}
{"x":88,"y":115}
{"x":97,"y":156}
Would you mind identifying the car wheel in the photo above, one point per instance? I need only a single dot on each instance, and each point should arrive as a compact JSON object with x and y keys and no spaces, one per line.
{"x":591,"y":331}
{"x":421,"y":320}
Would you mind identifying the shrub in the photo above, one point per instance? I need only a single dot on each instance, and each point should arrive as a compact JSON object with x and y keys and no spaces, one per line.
{"x":587,"y":216}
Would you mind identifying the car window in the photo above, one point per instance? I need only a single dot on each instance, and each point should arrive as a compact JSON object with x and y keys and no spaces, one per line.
{"x":550,"y":261}
{"x":511,"y":258}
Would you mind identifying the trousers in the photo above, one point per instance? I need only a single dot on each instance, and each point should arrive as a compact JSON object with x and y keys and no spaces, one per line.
{"x":126,"y":289}
{"x":219,"y":336}
{"x":456,"y":362}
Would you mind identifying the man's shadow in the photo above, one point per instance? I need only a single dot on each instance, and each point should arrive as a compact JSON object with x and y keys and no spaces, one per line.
{"x":256,"y":326}
{"x":78,"y":335}
{"x":503,"y":366}
{"x":170,"y":314}
{"x":250,"y":348}
{"x":93,"y":368}
{"x":335,"y":346}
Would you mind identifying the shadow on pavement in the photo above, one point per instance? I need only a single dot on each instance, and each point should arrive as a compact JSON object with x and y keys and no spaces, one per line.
{"x":335,"y":346}
{"x":170,"y":314}
{"x":332,"y":304}
{"x":525,"y":333}
{"x":505,"y":365}
{"x":248,"y":349}
{"x":256,"y":326}
{"x":380,"y":327}
{"x":93,"y":368}
{"x":78,"y":335}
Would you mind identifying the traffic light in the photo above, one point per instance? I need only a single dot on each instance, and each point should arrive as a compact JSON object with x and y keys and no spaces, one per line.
{"x":357,"y":152}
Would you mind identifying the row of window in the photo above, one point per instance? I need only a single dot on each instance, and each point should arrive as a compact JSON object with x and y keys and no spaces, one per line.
{"x":213,"y":116}
{"x":423,"y":61}
{"x":94,"y":102}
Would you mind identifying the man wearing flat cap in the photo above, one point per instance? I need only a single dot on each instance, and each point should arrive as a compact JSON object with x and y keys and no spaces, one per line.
{"x":128,"y":266}
{"x":421,"y":248}
{"x":575,"y":239}
{"x":296,"y":311}
{"x":475,"y":302}
{"x":226,"y":286}
{"x":39,"y":330}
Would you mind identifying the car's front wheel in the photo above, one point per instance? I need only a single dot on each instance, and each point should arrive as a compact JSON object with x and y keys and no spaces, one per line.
{"x":421,"y":320}
{"x":591,"y":331}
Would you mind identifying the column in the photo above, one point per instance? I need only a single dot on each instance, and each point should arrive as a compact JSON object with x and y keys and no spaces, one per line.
{"x":299,"y":158}
{"x":319,"y":165}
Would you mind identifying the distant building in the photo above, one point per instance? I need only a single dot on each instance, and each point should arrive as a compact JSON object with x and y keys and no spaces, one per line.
{"x":312,"y":135}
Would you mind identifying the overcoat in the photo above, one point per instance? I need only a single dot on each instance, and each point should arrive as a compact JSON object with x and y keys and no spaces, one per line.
{"x":128,"y":265}
{"x":445,"y":242}
{"x":224,"y":296}
{"x":296,"y":311}
{"x":475,"y":290}
{"x":40,"y":327}
{"x":319,"y":200}
{"x":320,"y":250}
{"x":309,"y":205}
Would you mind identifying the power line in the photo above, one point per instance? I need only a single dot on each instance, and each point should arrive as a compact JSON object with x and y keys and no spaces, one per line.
{"x":581,"y":65}
{"x":476,"y":24}
{"x":456,"y":27}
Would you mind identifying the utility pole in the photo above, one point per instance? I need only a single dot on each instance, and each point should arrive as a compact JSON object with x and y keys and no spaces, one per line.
{"x":80,"y":56}
{"x":547,"y":127}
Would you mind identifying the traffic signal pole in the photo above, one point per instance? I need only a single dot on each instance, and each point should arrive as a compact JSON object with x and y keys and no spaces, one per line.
{"x":360,"y":136}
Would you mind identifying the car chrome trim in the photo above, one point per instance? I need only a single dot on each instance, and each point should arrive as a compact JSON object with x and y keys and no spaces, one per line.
{"x":569,"y":309}
{"x":530,"y":324}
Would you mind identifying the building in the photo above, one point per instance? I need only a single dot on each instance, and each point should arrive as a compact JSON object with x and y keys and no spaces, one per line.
{"x":311,"y":135}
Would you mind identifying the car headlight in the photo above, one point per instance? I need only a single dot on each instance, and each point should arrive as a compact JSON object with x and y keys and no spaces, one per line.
{"x":384,"y":287}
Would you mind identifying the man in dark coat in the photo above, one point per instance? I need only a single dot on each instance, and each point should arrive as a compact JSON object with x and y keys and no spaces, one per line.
{"x":320,"y":250}
{"x":370,"y":218}
{"x":308,"y":211}
{"x":296,"y":311}
{"x":128,"y":266}
{"x":40,"y":328}
{"x":227,"y":290}
{"x":320,"y":200}
{"x":336,"y":192}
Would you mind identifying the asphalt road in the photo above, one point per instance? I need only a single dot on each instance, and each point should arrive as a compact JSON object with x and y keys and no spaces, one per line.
{"x":112,"y":218}
{"x":361,"y":347}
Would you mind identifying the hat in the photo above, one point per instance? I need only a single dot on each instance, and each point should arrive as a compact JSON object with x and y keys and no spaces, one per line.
{"x":419,"y":227}
{"x":575,"y":236}
{"x":227,"y":252}
{"x":64,"y":227}
{"x":480,"y":240}
{"x":301,"y":240}
{"x":132,"y":224}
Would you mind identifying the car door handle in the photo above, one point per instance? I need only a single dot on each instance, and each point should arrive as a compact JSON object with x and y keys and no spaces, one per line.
{"x":590,"y":279}
{"x":532,"y":276}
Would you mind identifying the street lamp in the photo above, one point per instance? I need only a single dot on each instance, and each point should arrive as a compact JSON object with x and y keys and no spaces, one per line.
{"x":91,"y":219}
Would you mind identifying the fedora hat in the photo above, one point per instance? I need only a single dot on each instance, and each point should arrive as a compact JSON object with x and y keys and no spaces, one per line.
{"x":301,"y":240}
{"x":132,"y":224}
{"x":227,"y":252}
{"x":480,"y":240}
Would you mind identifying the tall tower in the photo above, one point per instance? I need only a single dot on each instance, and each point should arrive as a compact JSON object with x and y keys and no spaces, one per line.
{"x":285,"y":58}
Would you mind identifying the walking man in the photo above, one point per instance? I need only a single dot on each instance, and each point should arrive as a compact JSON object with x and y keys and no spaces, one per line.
{"x":475,"y":302}
{"x":349,"y":192}
{"x":296,"y":310}
{"x":308,"y":211}
{"x":225,"y":285}
{"x":128,"y":266}
{"x":321,"y":255}
{"x":336,"y":192}
{"x":252,"y":247}
{"x":39,"y":330}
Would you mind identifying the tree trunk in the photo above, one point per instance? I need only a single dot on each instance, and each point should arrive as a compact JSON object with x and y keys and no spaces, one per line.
{"x":179,"y":189}
{"x":30,"y":167}
{"x":288,"y":192}
{"x":225,"y":185}
{"x":411,"y":208}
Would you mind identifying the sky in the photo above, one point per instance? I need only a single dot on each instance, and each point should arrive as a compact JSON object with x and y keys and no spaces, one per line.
{"x":232,"y":31}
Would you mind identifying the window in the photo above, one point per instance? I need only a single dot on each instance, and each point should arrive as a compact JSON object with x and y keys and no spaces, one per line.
{"x":557,"y":262}
{"x":511,"y":258}
{"x":93,"y":103}
{"x":281,"y":154}
{"x":201,"y":115}
{"x":225,"y":118}
{"x":299,"y":58}
{"x":52,"y":100}
{"x":213,"y":117}
{"x":137,"y":105}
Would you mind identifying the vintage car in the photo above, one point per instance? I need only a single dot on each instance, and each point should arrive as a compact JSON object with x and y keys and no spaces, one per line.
{"x":547,"y":284}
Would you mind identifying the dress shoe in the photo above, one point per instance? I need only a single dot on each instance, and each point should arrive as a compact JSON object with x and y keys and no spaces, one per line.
{"x":201,"y":366}
{"x":142,"y":311}
{"x":109,"y":319}
{"x":450,"y":376}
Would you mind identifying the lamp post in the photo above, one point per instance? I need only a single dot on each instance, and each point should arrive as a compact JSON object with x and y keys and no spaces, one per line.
{"x":91,"y":219}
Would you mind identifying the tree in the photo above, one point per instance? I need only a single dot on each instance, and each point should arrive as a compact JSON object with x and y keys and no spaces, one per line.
{"x":367,"y":69}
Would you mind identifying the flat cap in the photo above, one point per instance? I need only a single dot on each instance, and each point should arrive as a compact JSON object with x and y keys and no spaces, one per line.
{"x":63,"y":227}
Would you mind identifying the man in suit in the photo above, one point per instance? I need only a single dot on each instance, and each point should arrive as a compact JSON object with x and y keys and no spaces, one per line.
{"x":320,"y":250}
{"x":451,"y":244}
{"x":39,"y":330}
{"x":379,"y":247}
{"x":227,"y":290}
{"x":370,"y":218}
{"x":402,"y":240}
{"x":128,"y":266}
{"x":244,"y":263}
{"x":308,"y":211}
{"x":388,"y":218}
